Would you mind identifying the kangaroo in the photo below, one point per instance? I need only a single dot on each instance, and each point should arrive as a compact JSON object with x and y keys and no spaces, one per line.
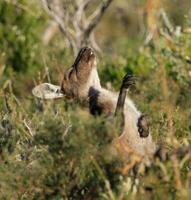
{"x":81,"y":81}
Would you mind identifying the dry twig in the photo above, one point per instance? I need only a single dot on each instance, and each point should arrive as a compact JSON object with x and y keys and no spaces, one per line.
{"x":74,"y":22}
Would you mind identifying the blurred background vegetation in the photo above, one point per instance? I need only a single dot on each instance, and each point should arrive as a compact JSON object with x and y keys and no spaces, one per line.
{"x":56,"y":150}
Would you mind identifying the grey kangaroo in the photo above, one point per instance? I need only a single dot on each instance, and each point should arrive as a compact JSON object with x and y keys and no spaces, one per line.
{"x":81,"y":81}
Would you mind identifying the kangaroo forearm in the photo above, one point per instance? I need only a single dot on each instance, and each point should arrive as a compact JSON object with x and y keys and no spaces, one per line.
{"x":121,"y":101}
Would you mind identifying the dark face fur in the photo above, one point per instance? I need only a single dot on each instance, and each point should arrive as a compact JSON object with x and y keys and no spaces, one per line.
{"x":143,"y":126}
{"x":78,"y":74}
{"x":84,"y":57}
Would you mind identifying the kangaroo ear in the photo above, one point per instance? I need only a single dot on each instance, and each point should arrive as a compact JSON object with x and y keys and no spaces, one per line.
{"x":47,"y":91}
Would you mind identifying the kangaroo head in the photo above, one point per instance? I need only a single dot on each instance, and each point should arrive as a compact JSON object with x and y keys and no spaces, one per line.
{"x":86,"y":57}
{"x":76,"y":79}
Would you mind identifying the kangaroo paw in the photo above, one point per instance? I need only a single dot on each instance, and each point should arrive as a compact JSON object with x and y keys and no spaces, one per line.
{"x":128,"y":80}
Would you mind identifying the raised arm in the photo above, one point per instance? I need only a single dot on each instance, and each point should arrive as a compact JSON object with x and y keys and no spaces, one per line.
{"x":119,"y":117}
{"x":128,"y":81}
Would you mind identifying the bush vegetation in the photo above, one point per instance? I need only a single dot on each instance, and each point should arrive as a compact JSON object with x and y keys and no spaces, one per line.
{"x":56,"y":149}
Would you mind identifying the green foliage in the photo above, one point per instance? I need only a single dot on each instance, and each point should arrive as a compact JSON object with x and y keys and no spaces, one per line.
{"x":18,"y":38}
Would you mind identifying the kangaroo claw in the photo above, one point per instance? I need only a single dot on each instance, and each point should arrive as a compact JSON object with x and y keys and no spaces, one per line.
{"x":128,"y":81}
